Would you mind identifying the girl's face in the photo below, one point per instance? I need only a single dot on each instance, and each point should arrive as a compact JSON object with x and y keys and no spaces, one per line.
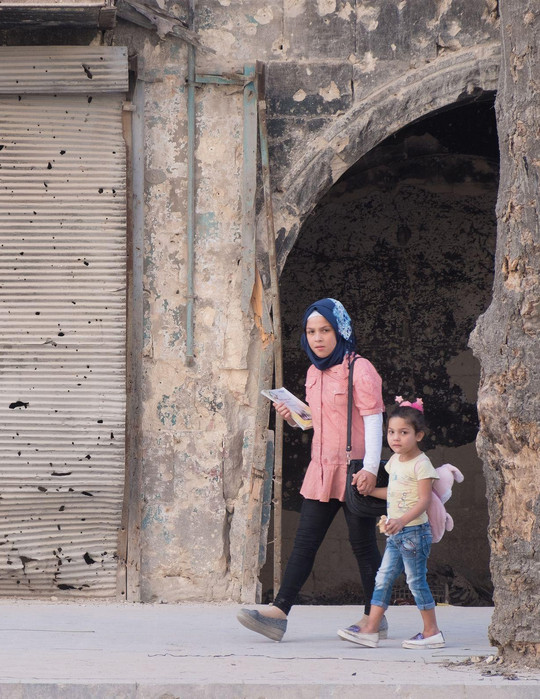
{"x":321,"y":336}
{"x":402,"y":438}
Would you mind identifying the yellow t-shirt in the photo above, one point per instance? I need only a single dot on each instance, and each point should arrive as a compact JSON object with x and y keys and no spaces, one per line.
{"x":403,"y":485}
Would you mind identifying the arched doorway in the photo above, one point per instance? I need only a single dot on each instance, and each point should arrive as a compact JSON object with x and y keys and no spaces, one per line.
{"x":406,"y":240}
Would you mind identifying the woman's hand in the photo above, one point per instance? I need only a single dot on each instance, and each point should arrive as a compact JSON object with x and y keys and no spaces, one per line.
{"x":364,"y":481}
{"x":285,"y":413}
{"x":393,"y":526}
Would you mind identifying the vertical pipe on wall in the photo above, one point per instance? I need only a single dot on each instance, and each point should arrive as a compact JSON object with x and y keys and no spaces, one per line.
{"x":249,"y":185}
{"x":191,"y":188}
{"x":276,"y":319}
{"x":132,"y":498}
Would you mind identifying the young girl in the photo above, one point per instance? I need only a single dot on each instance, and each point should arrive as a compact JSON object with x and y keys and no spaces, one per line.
{"x":411,"y":477}
{"x":329,"y":342}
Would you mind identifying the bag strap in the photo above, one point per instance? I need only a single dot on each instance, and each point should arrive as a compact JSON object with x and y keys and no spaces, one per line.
{"x":349,"y":407}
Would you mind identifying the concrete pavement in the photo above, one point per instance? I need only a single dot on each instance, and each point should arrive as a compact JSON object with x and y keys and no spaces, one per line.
{"x":145,"y":651}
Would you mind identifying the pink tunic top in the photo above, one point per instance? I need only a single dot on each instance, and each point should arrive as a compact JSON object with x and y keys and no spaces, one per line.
{"x":326,"y":394}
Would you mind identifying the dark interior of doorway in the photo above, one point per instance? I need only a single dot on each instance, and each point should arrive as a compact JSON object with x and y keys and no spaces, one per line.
{"x":406,"y":240}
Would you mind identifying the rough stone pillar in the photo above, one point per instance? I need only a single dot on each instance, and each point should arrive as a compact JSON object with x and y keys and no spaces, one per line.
{"x":507,"y":342}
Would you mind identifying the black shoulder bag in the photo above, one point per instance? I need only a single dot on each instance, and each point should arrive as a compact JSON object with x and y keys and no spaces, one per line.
{"x":363,"y":505}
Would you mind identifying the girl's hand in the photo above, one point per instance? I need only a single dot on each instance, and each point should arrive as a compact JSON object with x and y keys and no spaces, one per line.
{"x":393,"y":526}
{"x":285,"y":413}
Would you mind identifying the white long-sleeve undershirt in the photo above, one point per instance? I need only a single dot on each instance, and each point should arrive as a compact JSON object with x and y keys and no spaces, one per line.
{"x":373,"y":425}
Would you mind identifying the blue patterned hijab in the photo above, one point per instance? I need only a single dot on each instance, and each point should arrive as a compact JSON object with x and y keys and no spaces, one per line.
{"x":339,"y":319}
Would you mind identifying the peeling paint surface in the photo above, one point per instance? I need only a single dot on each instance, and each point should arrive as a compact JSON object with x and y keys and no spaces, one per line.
{"x":368,"y":16}
{"x":330,"y":93}
{"x":325,"y":59}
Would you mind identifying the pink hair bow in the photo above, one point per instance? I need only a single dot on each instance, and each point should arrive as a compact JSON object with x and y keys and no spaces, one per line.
{"x":417,"y":405}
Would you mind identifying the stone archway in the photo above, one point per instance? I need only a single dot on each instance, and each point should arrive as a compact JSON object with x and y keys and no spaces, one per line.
{"x":405,"y":239}
{"x":453,"y":79}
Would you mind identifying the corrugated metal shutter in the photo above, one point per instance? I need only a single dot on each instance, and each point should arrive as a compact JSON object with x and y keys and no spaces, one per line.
{"x":62,"y":69}
{"x":62,"y":342}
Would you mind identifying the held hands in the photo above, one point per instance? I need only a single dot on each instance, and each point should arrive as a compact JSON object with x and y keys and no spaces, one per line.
{"x":364,"y":482}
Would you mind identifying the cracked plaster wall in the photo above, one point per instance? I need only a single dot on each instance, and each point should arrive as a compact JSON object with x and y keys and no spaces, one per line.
{"x":327,"y":60}
{"x":198,"y":426}
{"x":196,"y":429}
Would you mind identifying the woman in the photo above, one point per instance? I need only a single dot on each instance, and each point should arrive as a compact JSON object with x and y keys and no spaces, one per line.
{"x":329,"y":341}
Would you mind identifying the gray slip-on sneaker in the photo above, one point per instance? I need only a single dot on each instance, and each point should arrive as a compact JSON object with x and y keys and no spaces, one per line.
{"x":271,"y":628}
{"x":371,"y":640}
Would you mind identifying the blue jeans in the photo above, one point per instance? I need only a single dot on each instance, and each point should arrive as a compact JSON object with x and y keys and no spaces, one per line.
{"x":408,"y":551}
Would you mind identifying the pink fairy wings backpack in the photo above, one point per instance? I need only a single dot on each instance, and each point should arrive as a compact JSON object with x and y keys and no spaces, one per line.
{"x":439,"y":519}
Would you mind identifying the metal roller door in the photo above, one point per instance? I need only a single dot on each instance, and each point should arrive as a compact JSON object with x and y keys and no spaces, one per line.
{"x":62,"y":319}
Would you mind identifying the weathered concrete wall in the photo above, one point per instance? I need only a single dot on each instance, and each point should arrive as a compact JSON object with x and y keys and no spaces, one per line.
{"x":342,"y":76}
{"x":197,"y":427}
{"x":334,"y":70}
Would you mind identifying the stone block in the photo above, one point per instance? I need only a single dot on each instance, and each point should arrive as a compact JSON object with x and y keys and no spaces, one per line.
{"x":312,"y":90}
{"x":240,"y":32}
{"x":323,"y":29}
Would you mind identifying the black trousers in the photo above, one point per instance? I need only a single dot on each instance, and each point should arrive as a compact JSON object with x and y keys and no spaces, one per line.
{"x":315,"y":520}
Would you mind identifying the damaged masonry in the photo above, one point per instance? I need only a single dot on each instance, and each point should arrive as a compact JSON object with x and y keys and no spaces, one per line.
{"x":178,"y":182}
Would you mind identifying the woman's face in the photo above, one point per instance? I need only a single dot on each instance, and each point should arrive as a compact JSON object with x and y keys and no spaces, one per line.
{"x":321,"y":336}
